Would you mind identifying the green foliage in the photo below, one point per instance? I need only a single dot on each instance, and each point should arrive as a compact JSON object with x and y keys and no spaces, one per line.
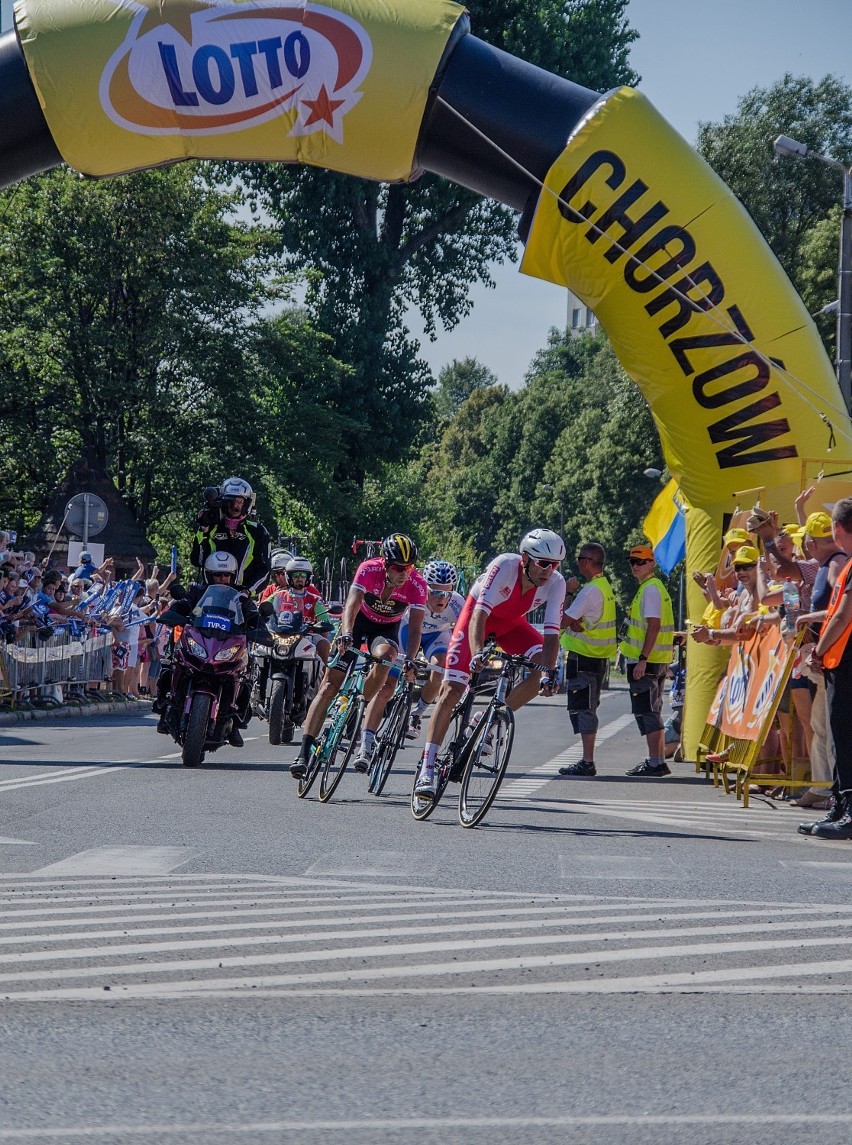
{"x":369,"y":251}
{"x":456,"y":382}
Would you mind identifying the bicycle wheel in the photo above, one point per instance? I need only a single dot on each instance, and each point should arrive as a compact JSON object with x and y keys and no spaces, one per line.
{"x":333,"y":727}
{"x":389,"y":741}
{"x":487,"y":759}
{"x":422,"y":806}
{"x":336,"y":759}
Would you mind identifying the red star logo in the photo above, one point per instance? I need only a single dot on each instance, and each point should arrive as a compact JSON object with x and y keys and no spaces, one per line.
{"x":322,"y":108}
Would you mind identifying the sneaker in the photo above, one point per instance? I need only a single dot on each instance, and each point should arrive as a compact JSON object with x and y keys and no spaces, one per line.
{"x":362,"y":761}
{"x":425,"y":785}
{"x":584,"y":767}
{"x":298,"y":768}
{"x":648,"y":770}
{"x":413,"y":729}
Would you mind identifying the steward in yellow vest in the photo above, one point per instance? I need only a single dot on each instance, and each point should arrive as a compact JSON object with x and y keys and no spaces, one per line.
{"x":590,"y":642}
{"x":647,"y":646}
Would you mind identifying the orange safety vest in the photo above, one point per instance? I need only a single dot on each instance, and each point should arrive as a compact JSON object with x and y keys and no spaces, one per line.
{"x":835,"y":653}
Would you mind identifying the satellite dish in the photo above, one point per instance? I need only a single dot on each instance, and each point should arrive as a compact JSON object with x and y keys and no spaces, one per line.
{"x":76,"y":512}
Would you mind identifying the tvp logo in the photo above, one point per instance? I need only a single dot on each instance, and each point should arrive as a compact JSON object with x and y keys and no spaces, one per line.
{"x":215,"y":69}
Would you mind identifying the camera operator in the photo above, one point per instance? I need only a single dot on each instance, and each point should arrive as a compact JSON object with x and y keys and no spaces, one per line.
{"x":227,"y":524}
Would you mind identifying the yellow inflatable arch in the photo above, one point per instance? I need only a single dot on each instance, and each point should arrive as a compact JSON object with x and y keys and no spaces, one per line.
{"x":614,"y":204}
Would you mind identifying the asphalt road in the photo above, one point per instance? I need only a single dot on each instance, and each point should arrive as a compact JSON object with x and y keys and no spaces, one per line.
{"x":200,"y":956}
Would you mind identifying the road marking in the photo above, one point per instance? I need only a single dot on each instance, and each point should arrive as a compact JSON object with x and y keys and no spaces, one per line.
{"x":267,"y":938}
{"x":399,"y":1124}
{"x":382,"y":863}
{"x":4,"y":842}
{"x":127,"y":860}
{"x":540,"y":776}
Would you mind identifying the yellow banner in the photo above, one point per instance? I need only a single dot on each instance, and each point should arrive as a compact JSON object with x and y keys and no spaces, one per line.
{"x":696,"y":306}
{"x":129,"y":84}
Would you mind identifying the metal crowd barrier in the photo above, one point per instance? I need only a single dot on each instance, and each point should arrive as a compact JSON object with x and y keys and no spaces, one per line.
{"x":33,"y":663}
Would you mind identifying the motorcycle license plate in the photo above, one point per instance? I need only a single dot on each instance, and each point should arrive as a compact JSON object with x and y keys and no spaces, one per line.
{"x":217,"y":623}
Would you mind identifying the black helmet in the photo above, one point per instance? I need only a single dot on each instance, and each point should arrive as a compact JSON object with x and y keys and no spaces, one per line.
{"x":399,"y":549}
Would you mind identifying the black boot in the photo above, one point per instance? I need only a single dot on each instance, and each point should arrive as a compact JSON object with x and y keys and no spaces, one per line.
{"x":831,"y":816}
{"x":234,"y":737}
{"x":841,"y":826}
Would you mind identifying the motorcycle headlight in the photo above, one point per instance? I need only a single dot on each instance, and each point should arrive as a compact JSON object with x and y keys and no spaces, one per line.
{"x":283,"y":644}
{"x":196,"y":649}
{"x":228,"y":653}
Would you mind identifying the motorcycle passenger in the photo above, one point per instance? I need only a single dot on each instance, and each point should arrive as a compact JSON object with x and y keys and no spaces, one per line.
{"x":382,"y":589}
{"x":225,"y":525}
{"x":219,"y":568}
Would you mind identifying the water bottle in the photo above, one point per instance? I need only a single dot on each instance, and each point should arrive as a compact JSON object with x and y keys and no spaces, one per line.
{"x":790,"y":593}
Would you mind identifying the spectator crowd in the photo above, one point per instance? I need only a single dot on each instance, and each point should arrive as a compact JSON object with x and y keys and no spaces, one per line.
{"x":44,"y":604}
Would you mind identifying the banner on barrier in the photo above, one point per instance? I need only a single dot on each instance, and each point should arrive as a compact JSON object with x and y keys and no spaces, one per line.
{"x":127,"y":84}
{"x":756,"y":672}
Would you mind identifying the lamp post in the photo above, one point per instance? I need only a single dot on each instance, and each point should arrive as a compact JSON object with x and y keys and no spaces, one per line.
{"x":787,"y":147}
{"x":552,"y":489}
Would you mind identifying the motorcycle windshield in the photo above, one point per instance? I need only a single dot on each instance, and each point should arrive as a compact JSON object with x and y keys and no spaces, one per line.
{"x":286,"y":617}
{"x":218,"y":609}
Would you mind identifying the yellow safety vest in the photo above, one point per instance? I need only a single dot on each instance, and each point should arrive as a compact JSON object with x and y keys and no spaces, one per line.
{"x":599,"y":640}
{"x":631,"y":645}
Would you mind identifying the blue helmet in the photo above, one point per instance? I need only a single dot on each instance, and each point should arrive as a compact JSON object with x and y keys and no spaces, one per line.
{"x":440,"y":572}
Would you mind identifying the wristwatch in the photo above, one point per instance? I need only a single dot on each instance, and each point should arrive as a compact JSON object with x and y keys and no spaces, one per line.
{"x":641,"y":658}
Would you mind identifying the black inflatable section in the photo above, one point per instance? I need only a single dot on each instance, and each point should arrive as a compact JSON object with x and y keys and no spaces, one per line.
{"x":528,"y":113}
{"x":26,"y":146}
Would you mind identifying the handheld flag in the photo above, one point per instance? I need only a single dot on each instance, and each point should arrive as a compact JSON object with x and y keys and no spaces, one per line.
{"x":665,"y":527}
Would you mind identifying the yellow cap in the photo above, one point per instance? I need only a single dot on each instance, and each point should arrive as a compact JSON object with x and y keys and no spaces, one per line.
{"x":740,"y":536}
{"x":818,"y":525}
{"x":746,"y":555}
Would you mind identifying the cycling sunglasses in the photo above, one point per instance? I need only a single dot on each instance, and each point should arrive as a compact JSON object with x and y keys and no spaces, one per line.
{"x":444,"y":595}
{"x":543,"y":563}
{"x":395,"y":566}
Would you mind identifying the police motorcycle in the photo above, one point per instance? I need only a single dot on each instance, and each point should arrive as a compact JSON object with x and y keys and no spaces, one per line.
{"x":288,"y":671}
{"x":207,"y":679}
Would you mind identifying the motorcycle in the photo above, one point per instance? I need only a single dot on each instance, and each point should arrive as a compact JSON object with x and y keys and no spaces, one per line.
{"x":288,"y":671}
{"x":210,"y":661}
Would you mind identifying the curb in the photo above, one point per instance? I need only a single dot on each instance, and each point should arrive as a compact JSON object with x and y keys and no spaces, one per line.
{"x":76,"y":711}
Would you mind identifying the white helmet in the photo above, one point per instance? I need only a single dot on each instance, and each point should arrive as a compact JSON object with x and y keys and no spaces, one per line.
{"x":220,"y":562}
{"x":299,"y":565}
{"x":235,"y":487}
{"x":279,"y":561}
{"x":543,"y":544}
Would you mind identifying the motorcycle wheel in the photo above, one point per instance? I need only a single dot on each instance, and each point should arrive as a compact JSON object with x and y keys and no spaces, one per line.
{"x":196,"y":730}
{"x":277,"y":705}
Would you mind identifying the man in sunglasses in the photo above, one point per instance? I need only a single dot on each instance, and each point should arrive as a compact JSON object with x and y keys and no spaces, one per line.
{"x":513,"y":585}
{"x":382,"y":589}
{"x":647,"y":647}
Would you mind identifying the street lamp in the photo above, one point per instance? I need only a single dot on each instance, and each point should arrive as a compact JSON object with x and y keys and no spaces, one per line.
{"x":552,"y":489}
{"x":787,"y":147}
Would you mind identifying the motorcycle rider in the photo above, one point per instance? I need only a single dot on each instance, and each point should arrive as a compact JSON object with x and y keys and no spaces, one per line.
{"x":219,"y":568}
{"x":306,"y":599}
{"x":225,"y":524}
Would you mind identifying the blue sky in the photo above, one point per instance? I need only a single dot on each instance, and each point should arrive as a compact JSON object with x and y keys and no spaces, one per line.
{"x":696,"y":60}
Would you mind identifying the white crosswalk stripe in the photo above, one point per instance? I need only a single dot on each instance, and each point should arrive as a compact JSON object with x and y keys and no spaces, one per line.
{"x":540,"y":776}
{"x":172,"y":936}
{"x":717,"y":815}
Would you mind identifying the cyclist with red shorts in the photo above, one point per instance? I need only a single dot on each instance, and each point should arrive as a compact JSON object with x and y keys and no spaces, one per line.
{"x":513,"y":585}
{"x":383,"y":588}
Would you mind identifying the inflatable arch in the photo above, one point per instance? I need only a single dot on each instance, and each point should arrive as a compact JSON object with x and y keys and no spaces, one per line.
{"x":613,"y":203}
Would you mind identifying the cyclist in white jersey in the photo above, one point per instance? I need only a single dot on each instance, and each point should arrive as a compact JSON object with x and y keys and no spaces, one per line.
{"x":443,"y":608}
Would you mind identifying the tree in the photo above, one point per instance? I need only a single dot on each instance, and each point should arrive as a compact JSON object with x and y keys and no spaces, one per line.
{"x":369,"y":251}
{"x":789,"y":200}
{"x":456,"y":382}
{"x":130,"y":334}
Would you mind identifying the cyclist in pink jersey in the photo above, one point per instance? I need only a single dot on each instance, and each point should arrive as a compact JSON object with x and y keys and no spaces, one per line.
{"x":382,"y":590}
{"x":513,"y":585}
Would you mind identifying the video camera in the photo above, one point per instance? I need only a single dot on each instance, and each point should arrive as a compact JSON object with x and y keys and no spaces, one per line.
{"x":208,"y":515}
